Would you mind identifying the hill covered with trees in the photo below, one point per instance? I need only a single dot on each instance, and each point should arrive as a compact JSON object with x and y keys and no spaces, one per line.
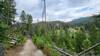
{"x":72,"y":37}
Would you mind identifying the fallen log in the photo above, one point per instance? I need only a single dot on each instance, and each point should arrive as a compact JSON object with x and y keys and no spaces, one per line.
{"x":61,"y":51}
{"x":85,"y":51}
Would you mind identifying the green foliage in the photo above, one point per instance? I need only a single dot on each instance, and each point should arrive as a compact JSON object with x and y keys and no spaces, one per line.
{"x":7,"y":30}
{"x":29,"y":23}
{"x":72,"y":40}
{"x":26,"y":23}
{"x":3,"y":35}
{"x":8,"y":11}
{"x":23,"y":17}
{"x":20,"y":39}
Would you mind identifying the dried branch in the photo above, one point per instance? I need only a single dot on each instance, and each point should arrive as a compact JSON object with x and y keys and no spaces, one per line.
{"x":61,"y":51}
{"x":85,"y":51}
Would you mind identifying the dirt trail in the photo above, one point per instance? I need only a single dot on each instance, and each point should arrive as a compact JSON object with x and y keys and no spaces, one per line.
{"x":29,"y":49}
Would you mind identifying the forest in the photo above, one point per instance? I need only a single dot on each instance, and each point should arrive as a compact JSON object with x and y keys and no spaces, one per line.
{"x":54,"y":38}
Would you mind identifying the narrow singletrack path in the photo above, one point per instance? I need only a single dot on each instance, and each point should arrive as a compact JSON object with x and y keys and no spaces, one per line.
{"x":29,"y":49}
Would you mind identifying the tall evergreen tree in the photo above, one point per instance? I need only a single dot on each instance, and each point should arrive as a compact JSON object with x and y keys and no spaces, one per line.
{"x":8,"y":11}
{"x":23,"y":22}
{"x":29,"y":23}
{"x":26,"y":21}
{"x":23,"y":17}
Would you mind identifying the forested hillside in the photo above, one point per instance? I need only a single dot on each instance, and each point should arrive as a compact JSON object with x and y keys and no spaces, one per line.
{"x":71,"y":37}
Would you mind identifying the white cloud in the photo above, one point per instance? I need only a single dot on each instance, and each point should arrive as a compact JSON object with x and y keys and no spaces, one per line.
{"x":17,"y":19}
{"x":27,"y":5}
{"x":63,"y":10}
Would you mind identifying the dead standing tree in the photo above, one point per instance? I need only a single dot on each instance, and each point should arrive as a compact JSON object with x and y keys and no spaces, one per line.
{"x":44,"y":17}
{"x":44,"y":11}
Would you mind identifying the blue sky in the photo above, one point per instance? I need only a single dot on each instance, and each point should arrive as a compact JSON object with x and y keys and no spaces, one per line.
{"x":62,"y":10}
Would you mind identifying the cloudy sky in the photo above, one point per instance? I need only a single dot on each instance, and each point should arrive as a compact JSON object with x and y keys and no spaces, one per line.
{"x":63,"y":10}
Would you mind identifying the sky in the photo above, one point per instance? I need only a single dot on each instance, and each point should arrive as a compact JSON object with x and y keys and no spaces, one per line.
{"x":58,"y":10}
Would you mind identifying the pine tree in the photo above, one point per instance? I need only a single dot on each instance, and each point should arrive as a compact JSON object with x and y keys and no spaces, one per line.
{"x":8,"y":11}
{"x":26,"y":21}
{"x":23,"y":17}
{"x":29,"y":23}
{"x":23,"y":22}
{"x":1,"y":9}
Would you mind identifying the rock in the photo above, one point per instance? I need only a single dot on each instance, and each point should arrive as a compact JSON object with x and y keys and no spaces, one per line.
{"x":1,"y":50}
{"x":38,"y":53}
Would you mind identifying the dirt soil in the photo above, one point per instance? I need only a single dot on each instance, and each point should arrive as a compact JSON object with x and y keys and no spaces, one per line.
{"x":13,"y":51}
{"x":28,"y":49}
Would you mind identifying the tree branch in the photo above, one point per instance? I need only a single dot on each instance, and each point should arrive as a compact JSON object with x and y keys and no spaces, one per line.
{"x":85,"y":51}
{"x":61,"y":51}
